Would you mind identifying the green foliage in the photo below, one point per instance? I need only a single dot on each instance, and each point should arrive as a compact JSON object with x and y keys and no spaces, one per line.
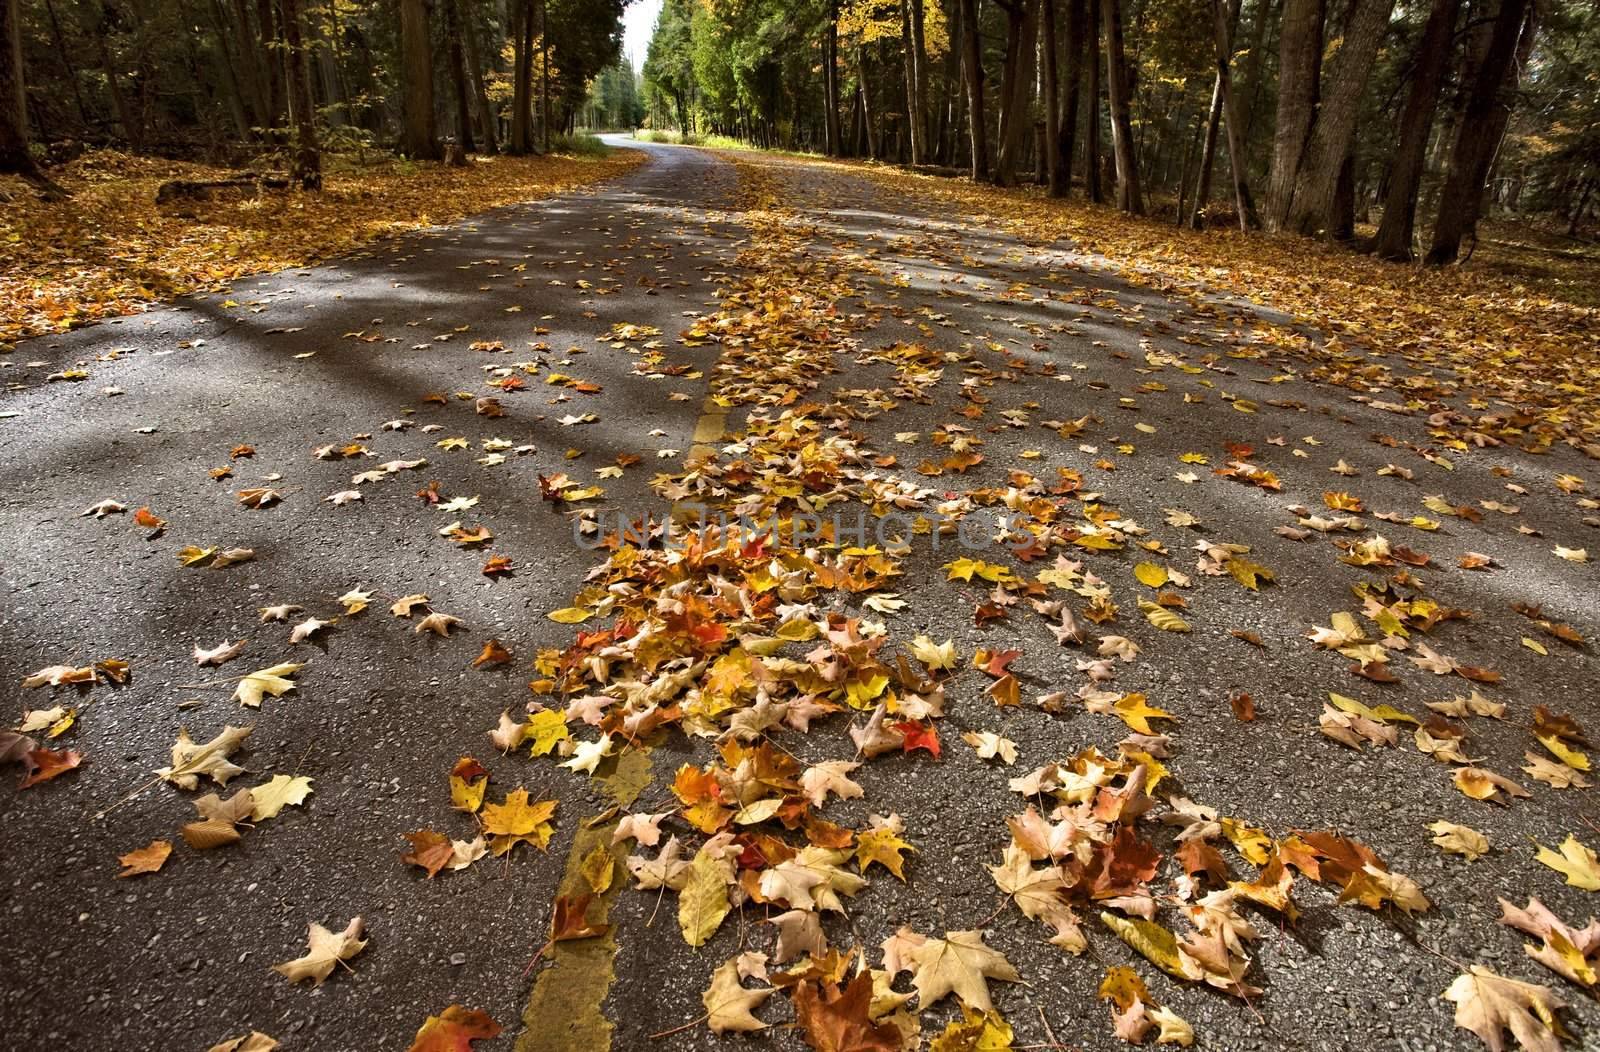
{"x":579,"y":144}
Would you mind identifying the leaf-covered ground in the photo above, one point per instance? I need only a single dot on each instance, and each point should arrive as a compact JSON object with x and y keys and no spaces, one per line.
{"x":1126,"y":664}
{"x":110,"y":249}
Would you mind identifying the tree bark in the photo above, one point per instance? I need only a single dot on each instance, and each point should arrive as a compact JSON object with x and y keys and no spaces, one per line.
{"x":873,"y":141}
{"x":1016,"y":85}
{"x":480,"y":90}
{"x":544,"y":73}
{"x":521,"y":76}
{"x":1067,"y":133}
{"x":977,"y":120}
{"x":306,"y":165}
{"x":1057,"y":176}
{"x":908,"y":53}
{"x":271,"y":50}
{"x":1311,"y":208}
{"x":456,"y":59}
{"x":418,"y":139}
{"x":1130,"y":198}
{"x":14,"y":155}
{"x":1299,"y":76}
{"x":1483,"y":122}
{"x":250,"y":69}
{"x":832,"y":131}
{"x":1093,"y":184}
{"x":1208,"y":154}
{"x":1398,"y":225}
{"x":1248,"y":83}
{"x":1238,"y":162}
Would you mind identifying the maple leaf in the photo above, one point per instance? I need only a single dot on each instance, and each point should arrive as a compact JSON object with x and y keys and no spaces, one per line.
{"x":104,"y":508}
{"x":567,"y":917}
{"x":437,"y":623}
{"x":404,"y":606}
{"x":326,"y":950}
{"x":429,"y":850}
{"x":355,"y":601}
{"x":192,"y":761}
{"x":306,"y":629}
{"x":517,"y":821}
{"x":454,"y":1030}
{"x":217,"y":655}
{"x":728,"y":1004}
{"x":827,"y":777}
{"x":991,"y":746}
{"x":884,"y":846}
{"x":44,"y":764}
{"x":262,"y":682}
{"x":58,"y":675}
{"x":959,"y":963}
{"x":1566,"y":951}
{"x":666,"y":870}
{"x":1489,"y":1004}
{"x":219,"y":820}
{"x":273,"y":796}
{"x":836,"y":1020}
{"x":1459,"y":840}
{"x":1576,"y":862}
{"x":147,"y":859}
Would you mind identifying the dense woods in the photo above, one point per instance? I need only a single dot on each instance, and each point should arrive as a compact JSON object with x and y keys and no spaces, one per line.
{"x":1410,"y":118}
{"x":278,"y":81}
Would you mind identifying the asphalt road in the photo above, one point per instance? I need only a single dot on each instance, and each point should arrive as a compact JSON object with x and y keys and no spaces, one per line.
{"x":290,"y":362}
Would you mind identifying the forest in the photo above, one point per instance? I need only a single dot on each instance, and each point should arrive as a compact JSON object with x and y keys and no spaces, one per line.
{"x":1321,"y":117}
{"x":260,"y":82}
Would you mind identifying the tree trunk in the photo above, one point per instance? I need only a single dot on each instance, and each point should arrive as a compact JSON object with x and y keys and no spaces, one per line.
{"x":457,"y":61}
{"x":306,"y":166}
{"x":1067,"y":133}
{"x":1058,"y":171}
{"x":1091,"y":167}
{"x":1237,"y":161}
{"x":1311,"y":208}
{"x":1248,"y":84}
{"x":832,"y":132}
{"x":1129,"y":196}
{"x":1016,"y":85}
{"x":480,"y":91}
{"x":71,"y":67}
{"x":14,"y":155}
{"x":919,"y":49}
{"x":271,"y":52}
{"x":521,"y":76}
{"x":132,"y":125}
{"x":251,"y":72}
{"x":418,"y":138}
{"x":1208,"y":154}
{"x":544,"y":72}
{"x":1398,"y":225}
{"x":977,"y":120}
{"x":1341,"y":222}
{"x":1483,"y":122}
{"x":908,"y":53}
{"x":1299,"y":75}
